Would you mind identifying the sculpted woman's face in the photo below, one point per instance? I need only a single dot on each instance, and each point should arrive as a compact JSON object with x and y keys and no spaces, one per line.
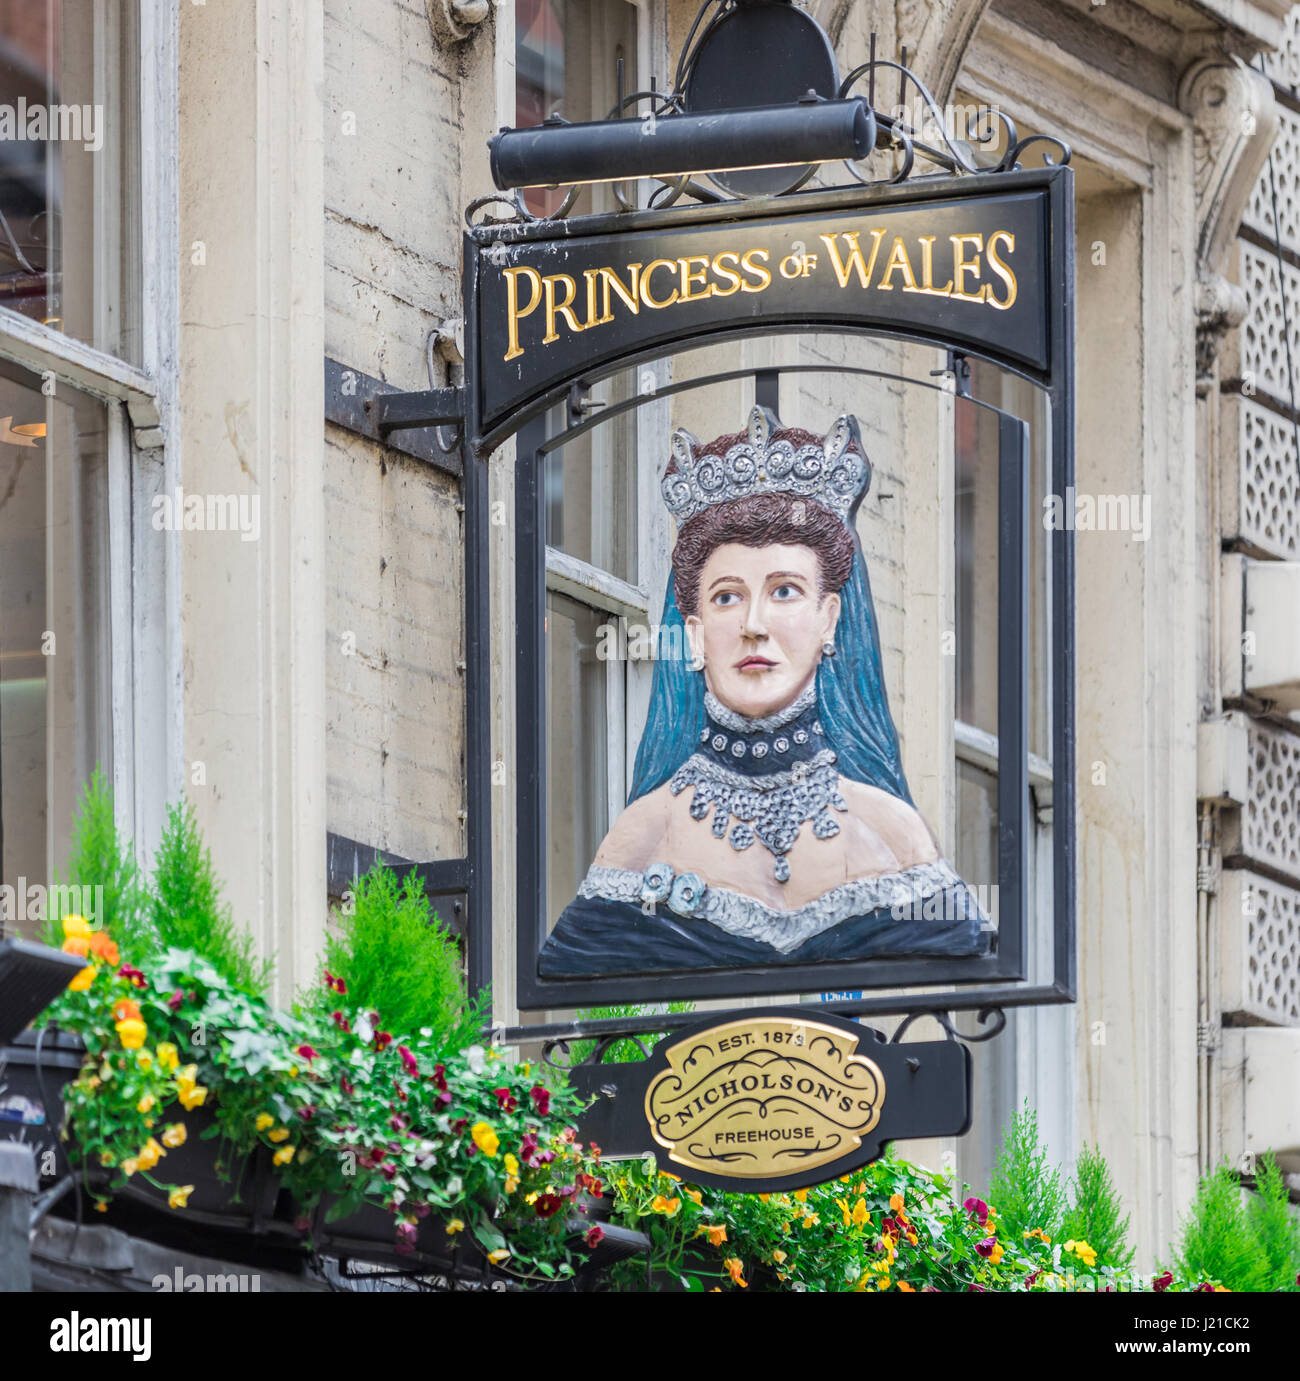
{"x":760,"y":625}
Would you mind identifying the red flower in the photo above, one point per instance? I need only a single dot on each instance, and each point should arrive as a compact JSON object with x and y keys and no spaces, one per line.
{"x":408,"y":1062}
{"x":439,"y":1077}
{"x":175,"y":1000}
{"x":978,"y":1209}
{"x":306,"y":1052}
{"x":985,"y":1248}
{"x":528,"y":1147}
{"x":307,"y":1111}
{"x":443,"y":1100}
{"x":459,"y":1125}
{"x":541,"y":1099}
{"x":1204,"y":1288}
{"x":340,"y":1021}
{"x":1162,"y":1282}
{"x":548,"y":1204}
{"x":505,"y":1099}
{"x":133,"y":975}
{"x":406,"y":1237}
{"x":594,"y":1236}
{"x":595,"y":1152}
{"x":976,"y":1290}
{"x":382,"y":1040}
{"x":347,"y":1085}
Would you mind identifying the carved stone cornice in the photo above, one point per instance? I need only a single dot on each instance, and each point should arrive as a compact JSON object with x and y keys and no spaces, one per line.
{"x":1234,"y":123}
{"x":937,"y":34}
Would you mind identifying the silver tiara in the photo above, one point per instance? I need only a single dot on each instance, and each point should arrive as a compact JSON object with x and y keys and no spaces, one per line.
{"x":834,"y":473}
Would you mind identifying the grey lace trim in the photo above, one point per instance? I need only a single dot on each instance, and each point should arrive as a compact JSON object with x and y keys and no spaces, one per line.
{"x":742,"y":724}
{"x":785,"y":931}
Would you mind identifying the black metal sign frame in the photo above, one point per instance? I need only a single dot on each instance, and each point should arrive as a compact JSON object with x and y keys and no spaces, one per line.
{"x":501,"y":396}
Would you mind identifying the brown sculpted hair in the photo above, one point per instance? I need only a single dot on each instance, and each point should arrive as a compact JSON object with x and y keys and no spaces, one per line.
{"x":762,"y":520}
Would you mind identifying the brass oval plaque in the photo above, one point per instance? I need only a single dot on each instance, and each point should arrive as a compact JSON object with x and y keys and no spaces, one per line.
{"x":764,"y":1097}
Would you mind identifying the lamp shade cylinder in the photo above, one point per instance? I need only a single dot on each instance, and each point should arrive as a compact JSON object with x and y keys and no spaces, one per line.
{"x":607,"y":150}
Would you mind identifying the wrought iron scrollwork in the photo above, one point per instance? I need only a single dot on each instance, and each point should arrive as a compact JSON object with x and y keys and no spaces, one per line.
{"x":995,"y":1015}
{"x":911,"y":149}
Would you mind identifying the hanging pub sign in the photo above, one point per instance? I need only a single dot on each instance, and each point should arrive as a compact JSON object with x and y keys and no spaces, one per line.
{"x":775,"y":1100}
{"x":769,"y":842}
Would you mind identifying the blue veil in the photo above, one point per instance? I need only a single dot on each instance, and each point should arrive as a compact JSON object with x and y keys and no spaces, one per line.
{"x":850,"y":692}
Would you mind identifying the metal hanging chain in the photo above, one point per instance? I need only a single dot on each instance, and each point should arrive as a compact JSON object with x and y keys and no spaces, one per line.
{"x":1281,"y":282}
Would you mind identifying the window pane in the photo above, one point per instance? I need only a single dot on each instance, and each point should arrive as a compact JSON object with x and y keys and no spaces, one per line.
{"x":591,"y":484}
{"x":566,"y":62}
{"x":577,"y":745}
{"x":69,"y":156}
{"x":55,"y":692}
{"x":976,"y":531}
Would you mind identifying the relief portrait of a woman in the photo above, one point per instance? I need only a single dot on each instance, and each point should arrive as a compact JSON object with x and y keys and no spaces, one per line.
{"x":769,"y":821}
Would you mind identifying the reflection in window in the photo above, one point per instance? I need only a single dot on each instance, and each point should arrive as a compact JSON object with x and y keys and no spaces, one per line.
{"x":69,"y":154}
{"x":54,"y":625}
{"x":577,"y":746}
{"x":590,"y":488}
{"x":567,"y":54}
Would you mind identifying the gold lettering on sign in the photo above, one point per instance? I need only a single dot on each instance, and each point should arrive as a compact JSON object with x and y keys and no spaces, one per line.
{"x":898,"y":261}
{"x":961,"y":266}
{"x":854,"y":263}
{"x":1000,"y":267}
{"x":513,"y":313}
{"x":927,"y":270}
{"x":982,"y":272}
{"x":728,"y":275}
{"x":764,"y":1097}
{"x":645,"y":283}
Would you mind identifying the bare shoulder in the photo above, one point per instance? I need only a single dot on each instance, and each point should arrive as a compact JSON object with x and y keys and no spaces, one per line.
{"x":898,"y":824}
{"x":635,"y":841}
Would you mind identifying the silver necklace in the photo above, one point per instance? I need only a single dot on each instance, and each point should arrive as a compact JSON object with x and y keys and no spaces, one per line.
{"x":770,"y":807}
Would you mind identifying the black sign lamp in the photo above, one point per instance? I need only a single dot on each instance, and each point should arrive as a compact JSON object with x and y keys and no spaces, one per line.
{"x":712,"y":124}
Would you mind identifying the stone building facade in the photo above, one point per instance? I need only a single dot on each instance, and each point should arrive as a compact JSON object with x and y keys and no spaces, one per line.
{"x":290,"y":190}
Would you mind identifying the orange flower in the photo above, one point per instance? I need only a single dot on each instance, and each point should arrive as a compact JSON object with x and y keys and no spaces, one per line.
{"x":124,"y":1009}
{"x":665,"y":1206}
{"x":905,"y":1287}
{"x":78,"y":945}
{"x":102,"y":947}
{"x":896,"y":1203}
{"x":801,"y":1195}
{"x":717,"y":1235}
{"x":735,"y":1268}
{"x":694,"y":1194}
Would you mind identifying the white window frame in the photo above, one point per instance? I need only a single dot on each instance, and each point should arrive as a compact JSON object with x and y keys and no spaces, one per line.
{"x":141,"y":401}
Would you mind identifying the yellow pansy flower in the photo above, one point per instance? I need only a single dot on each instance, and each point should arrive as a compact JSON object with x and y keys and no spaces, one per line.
{"x":485,"y":1138}
{"x":456,"y":1225}
{"x":174,"y":1135}
{"x":145,"y":1103}
{"x":280,"y":1134}
{"x":860,"y":1215}
{"x":284,"y":1155}
{"x":131,"y":1032}
{"x":778,"y":1257}
{"x":145,"y":1060}
{"x":77,"y":925}
{"x":801,"y":1195}
{"x":512,"y":1173}
{"x":264,"y":1120}
{"x":497,"y":1257}
{"x":168,"y":1055}
{"x":150,"y":1154}
{"x":179,"y":1196}
{"x":82,"y":979}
